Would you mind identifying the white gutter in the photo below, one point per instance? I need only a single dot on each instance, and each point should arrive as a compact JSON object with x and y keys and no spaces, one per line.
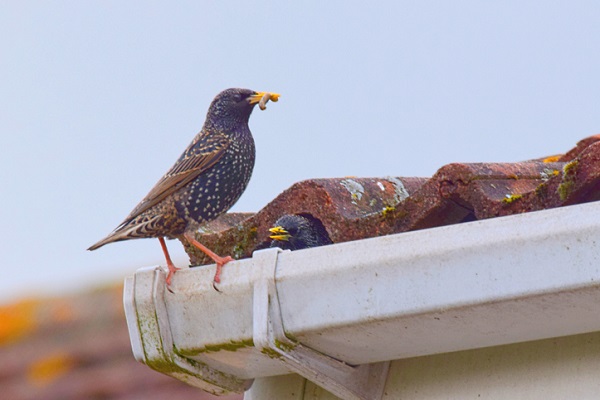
{"x":477,"y":284}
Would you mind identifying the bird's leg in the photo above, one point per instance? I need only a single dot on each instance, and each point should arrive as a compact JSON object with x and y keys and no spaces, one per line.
{"x":220,"y":261}
{"x":170,"y":265}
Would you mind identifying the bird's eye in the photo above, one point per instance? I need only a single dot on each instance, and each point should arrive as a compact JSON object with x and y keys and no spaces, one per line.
{"x":237,"y":97}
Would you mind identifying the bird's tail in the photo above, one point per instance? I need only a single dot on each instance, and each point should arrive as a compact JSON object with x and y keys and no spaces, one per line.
{"x":133,"y":229}
{"x":116,"y":236}
{"x":101,"y":243}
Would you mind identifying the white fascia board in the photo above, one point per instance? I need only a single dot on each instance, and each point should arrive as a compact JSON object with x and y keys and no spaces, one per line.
{"x":477,"y":284}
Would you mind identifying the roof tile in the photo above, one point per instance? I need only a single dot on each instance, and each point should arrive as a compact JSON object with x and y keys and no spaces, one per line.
{"x":355,"y":208}
{"x":78,"y":348}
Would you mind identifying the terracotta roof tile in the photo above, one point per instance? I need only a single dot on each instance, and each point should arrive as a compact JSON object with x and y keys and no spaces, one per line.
{"x":355,"y":208}
{"x":78,"y":348}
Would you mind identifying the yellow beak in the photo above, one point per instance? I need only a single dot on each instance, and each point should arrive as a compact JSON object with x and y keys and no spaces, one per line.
{"x":278,"y":233}
{"x":262,"y":98}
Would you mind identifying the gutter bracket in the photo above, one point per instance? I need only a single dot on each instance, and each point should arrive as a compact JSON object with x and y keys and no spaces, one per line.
{"x":362,"y":382}
{"x":151,"y":340}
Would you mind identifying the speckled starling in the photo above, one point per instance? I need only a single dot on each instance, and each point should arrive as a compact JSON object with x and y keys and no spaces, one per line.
{"x":296,"y":232}
{"x":207,"y":179}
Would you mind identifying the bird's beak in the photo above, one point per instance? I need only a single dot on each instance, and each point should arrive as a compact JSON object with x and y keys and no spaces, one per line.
{"x":278,"y":233}
{"x":262,"y":97}
{"x":255,"y":98}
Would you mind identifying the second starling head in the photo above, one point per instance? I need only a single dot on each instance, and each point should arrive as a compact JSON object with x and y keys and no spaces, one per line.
{"x":296,"y":232}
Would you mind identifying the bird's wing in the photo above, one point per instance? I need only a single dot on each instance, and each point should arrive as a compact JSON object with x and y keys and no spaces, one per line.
{"x":201,"y":155}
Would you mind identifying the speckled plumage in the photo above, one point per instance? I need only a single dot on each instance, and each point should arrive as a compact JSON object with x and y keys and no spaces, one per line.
{"x":206,"y":180}
{"x":297,"y":232}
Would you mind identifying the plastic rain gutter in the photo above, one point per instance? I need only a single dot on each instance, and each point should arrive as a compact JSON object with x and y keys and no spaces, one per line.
{"x":338,"y":314}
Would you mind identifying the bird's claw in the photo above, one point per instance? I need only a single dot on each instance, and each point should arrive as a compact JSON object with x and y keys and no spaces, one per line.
{"x":172,"y":269}
{"x":217,"y":279}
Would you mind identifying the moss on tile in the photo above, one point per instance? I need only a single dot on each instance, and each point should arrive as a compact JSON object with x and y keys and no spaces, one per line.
{"x":388,"y":211}
{"x":511,"y":198}
{"x":568,"y":181}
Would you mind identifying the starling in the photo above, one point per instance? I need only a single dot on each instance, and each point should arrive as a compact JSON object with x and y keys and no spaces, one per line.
{"x":206,"y":180}
{"x":296,"y":232}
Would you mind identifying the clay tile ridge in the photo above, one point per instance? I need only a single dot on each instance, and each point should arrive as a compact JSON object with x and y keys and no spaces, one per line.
{"x":354,"y":208}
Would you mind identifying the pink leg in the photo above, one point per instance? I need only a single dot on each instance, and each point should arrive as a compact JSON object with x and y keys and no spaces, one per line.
{"x":170,"y":265}
{"x":220,"y":261}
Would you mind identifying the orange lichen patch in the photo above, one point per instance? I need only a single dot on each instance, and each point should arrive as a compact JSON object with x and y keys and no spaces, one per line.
{"x":18,"y":320}
{"x":552,"y":158}
{"x":49,"y":368}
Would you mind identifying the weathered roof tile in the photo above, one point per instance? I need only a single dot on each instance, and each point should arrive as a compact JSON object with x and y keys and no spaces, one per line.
{"x":355,"y":208}
{"x":78,"y":348}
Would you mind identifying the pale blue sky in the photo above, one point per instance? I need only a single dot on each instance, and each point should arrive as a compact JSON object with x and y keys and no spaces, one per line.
{"x":99,"y":98}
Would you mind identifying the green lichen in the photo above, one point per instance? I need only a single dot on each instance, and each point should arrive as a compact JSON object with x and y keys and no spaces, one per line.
{"x":400,"y":192}
{"x":215,"y":377}
{"x":166,"y":364}
{"x":162,"y":365}
{"x":147,"y":328}
{"x":355,"y":189}
{"x":232,"y":345}
{"x":291,"y":337}
{"x":548,"y":173}
{"x":284,"y":346}
{"x":565,"y":189}
{"x":510,"y":198}
{"x":399,"y":214}
{"x":244,"y":242}
{"x":541,"y":190}
{"x":238,"y":251}
{"x":271,"y":353}
{"x":568,"y":182}
{"x":570,"y":167}
{"x":387,"y":211}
